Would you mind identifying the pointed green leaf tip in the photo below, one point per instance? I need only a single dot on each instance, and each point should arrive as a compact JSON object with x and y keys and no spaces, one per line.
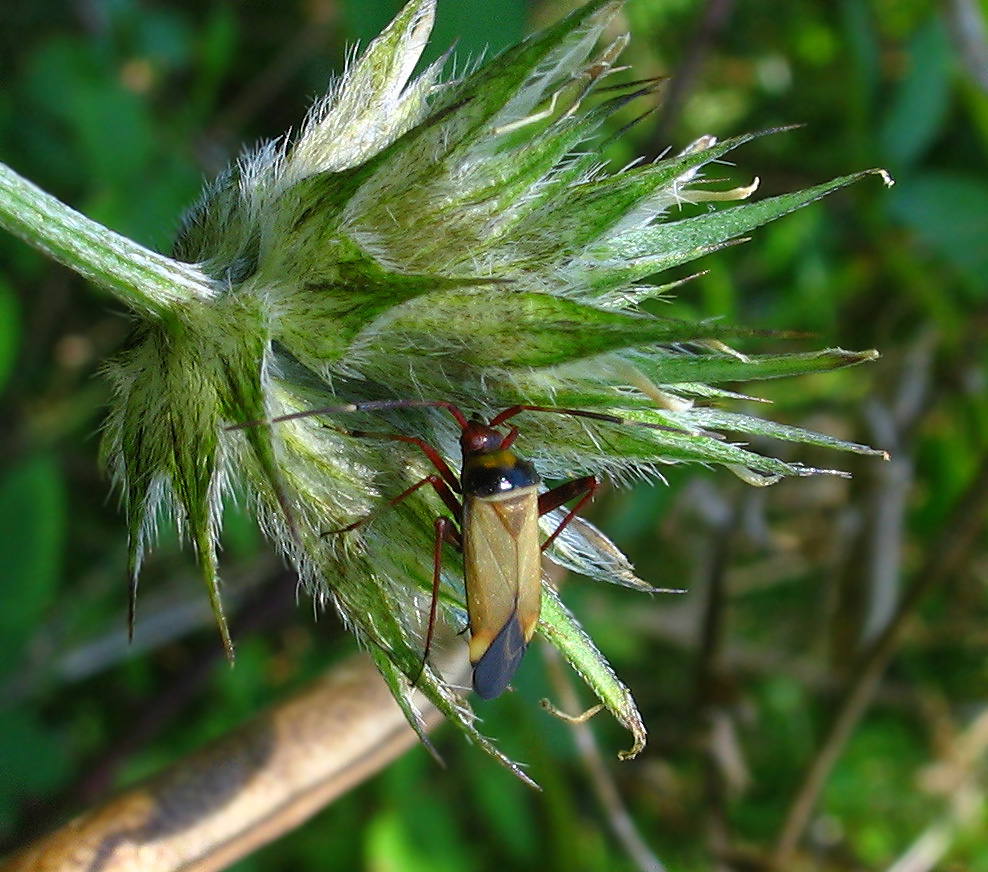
{"x":648,"y":250}
{"x":426,"y":238}
{"x":563,"y":631}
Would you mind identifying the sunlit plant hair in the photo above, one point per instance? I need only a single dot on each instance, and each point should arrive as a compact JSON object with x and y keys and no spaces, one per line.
{"x":434,"y":238}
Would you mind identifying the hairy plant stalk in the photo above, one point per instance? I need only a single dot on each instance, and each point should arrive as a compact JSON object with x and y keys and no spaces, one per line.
{"x":426,"y":238}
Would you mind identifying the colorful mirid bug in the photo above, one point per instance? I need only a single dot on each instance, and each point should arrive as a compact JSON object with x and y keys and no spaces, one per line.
{"x":496,"y":505}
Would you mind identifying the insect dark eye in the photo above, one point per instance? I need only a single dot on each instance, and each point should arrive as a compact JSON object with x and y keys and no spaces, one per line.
{"x":480,"y":439}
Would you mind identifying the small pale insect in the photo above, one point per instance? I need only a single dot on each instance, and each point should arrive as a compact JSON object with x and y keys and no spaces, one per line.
{"x":495,"y":506}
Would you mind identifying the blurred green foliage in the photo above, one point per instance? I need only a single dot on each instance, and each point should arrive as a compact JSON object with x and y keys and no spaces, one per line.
{"x":121,"y":107}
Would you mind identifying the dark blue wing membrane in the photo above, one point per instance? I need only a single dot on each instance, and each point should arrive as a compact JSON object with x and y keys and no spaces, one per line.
{"x":493,"y":671}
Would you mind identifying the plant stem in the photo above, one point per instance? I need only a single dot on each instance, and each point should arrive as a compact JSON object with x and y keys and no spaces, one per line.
{"x":142,"y":279}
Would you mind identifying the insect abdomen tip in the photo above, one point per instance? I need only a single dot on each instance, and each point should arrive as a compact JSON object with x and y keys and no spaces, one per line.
{"x":493,"y":671}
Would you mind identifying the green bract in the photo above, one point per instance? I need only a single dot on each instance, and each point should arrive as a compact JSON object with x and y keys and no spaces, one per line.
{"x":455,"y":240}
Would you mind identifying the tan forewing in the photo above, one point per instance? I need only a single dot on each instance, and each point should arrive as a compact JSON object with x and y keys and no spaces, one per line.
{"x":502,"y":564}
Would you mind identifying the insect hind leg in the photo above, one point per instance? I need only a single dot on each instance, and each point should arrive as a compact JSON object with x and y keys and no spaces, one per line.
{"x":584,"y":488}
{"x":445,"y":532}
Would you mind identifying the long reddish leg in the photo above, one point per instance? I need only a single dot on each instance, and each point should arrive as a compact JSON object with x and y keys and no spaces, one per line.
{"x":445,"y":532}
{"x":510,"y":412}
{"x":584,"y":487}
{"x":434,"y":458}
{"x":440,"y":486}
{"x":367,"y":406}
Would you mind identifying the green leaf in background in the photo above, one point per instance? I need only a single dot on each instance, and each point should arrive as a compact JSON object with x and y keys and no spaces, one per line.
{"x":948,"y":213}
{"x":32,"y":518}
{"x":390,"y":847}
{"x":32,"y":761}
{"x":215,"y":50}
{"x":916,"y":114}
{"x":10,"y":331}
{"x":69,"y":84}
{"x":474,"y":27}
{"x":89,"y":116}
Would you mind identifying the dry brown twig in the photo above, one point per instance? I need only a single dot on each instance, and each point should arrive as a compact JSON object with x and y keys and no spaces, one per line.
{"x":230,"y":797}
